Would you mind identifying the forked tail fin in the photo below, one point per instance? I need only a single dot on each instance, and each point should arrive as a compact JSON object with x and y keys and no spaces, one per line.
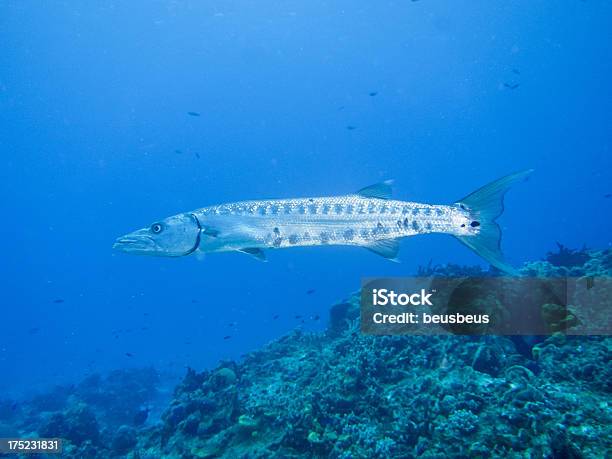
{"x":486,"y":205}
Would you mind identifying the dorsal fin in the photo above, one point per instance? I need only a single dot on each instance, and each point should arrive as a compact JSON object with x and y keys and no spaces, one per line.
{"x":387,"y":248}
{"x":381,"y":190}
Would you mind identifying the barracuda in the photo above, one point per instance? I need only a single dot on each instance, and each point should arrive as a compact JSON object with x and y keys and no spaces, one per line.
{"x":368,"y":218}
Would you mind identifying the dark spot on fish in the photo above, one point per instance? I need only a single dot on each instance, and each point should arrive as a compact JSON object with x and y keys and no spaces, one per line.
{"x":193,"y":113}
{"x":428,"y":211}
{"x":373,"y":93}
{"x":306,"y":236}
{"x":349,"y":234}
{"x":226,"y":337}
{"x":310,"y":200}
{"x":463,"y":225}
{"x":338,"y":208}
{"x":350,"y":208}
{"x":287,"y":208}
{"x":302,"y":209}
{"x":406,"y":222}
{"x":475,"y":224}
{"x":365,"y":234}
{"x":439,"y":212}
{"x":326,"y":209}
{"x":274,"y":209}
{"x":312,"y":208}
{"x":415,"y":225}
{"x":58,"y":301}
{"x":324,"y":236}
{"x":276,"y":231}
{"x":293,"y":239}
{"x":129,"y":354}
{"x":415,"y":211}
{"x":512,"y":86}
{"x":277,"y":242}
{"x":399,"y":223}
{"x":310,"y":291}
{"x":428,"y":226}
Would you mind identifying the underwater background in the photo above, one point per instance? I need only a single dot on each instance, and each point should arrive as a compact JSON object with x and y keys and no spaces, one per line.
{"x":116,"y":114}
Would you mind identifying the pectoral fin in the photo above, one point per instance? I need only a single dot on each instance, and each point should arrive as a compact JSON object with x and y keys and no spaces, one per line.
{"x":388,"y":248}
{"x":254,"y":252}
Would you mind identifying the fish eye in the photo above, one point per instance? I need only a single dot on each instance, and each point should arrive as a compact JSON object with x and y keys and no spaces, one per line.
{"x":156,"y":228}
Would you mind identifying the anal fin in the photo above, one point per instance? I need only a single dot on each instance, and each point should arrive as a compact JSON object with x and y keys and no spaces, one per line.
{"x":388,"y":248}
{"x":254,"y":252}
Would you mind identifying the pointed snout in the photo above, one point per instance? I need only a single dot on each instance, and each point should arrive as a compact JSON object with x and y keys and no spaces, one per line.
{"x":137,"y":242}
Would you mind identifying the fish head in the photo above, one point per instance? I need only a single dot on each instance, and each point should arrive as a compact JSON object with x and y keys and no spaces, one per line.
{"x":174,"y":236}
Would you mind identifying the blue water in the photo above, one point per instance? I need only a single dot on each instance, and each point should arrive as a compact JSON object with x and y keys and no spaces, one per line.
{"x":94,"y":102}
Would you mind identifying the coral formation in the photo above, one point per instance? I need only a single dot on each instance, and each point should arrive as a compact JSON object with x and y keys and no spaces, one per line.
{"x":342,"y":394}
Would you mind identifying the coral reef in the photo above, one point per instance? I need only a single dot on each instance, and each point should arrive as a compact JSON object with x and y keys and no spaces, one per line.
{"x":342,"y":394}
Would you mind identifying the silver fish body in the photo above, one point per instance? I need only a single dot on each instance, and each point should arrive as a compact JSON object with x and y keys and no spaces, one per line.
{"x":368,"y":218}
{"x":341,"y":220}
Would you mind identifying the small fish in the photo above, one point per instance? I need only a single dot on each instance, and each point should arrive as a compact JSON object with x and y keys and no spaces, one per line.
{"x":193,"y":113}
{"x":373,"y":93}
{"x":197,"y":155}
{"x":310,"y":291}
{"x":316,"y":317}
{"x":178,"y":152}
{"x":58,"y":301}
{"x":144,"y":328}
{"x":33,"y":330}
{"x":516,"y":71}
{"x":609,"y":195}
{"x":129,"y":354}
{"x":298,"y":316}
{"x":512,"y":86}
{"x":232,"y":324}
{"x":276,"y":316}
{"x":351,"y":128}
{"x":226,"y":337}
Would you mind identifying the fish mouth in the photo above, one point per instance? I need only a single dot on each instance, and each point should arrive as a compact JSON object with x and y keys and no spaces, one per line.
{"x":135,"y":243}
